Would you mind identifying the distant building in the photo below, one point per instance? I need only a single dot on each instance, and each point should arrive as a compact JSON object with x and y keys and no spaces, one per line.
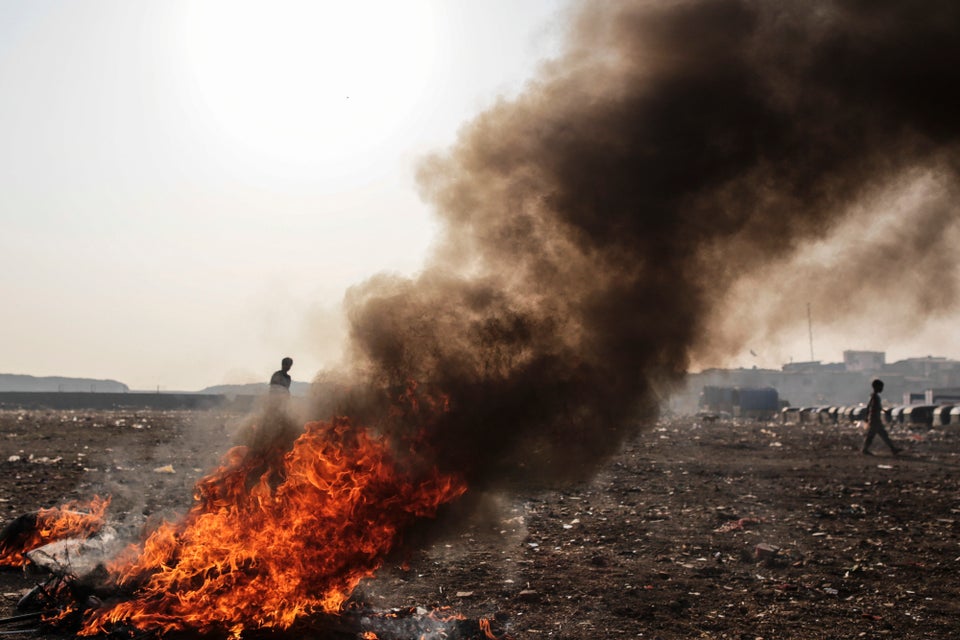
{"x":933,"y":372}
{"x":755,"y":402}
{"x":810,"y":384}
{"x":949,"y":395}
{"x":813,"y":366}
{"x":864,"y":360}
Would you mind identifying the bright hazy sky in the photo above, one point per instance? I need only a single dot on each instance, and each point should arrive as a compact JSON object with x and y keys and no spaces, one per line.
{"x":187,"y":188}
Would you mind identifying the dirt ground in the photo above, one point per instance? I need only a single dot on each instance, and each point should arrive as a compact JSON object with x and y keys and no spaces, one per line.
{"x":739,"y":530}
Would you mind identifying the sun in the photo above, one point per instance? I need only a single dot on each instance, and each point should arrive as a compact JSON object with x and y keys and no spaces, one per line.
{"x":294,"y":80}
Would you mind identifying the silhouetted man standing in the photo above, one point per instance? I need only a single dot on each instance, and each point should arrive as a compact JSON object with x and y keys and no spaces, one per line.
{"x":280,"y":380}
{"x":875,"y":421}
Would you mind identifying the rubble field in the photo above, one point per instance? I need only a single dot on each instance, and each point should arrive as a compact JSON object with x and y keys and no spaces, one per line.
{"x":725,"y":529}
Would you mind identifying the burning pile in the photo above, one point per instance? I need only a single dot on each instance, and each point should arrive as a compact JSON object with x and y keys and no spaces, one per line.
{"x":263,"y":545}
{"x":49,"y":525}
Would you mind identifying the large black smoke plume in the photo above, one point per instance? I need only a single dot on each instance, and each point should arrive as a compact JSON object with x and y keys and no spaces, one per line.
{"x":594,"y":225}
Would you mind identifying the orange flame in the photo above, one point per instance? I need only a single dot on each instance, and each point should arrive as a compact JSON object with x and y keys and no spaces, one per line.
{"x":70,"y":520}
{"x":487,"y":631}
{"x":264,"y":546}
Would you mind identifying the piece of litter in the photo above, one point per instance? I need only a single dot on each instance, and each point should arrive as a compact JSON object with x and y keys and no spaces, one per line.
{"x":167,"y":468}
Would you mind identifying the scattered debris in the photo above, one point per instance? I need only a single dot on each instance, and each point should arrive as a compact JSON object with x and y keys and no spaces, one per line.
{"x":764,"y":551}
{"x":852,"y":539}
{"x":737,"y":525}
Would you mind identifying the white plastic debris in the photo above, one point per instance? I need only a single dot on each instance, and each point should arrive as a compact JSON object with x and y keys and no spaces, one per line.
{"x":77,"y":556}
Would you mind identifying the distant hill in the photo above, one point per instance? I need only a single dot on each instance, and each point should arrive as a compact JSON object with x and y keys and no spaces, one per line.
{"x":254,"y":389}
{"x":16,"y":382}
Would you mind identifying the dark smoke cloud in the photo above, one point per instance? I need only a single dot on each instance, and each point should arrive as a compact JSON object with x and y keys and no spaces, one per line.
{"x":595,"y":224}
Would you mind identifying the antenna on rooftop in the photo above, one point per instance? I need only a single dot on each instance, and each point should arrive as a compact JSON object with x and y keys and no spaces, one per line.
{"x":810,"y":329}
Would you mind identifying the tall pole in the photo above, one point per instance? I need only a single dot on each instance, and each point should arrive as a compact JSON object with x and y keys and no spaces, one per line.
{"x":810,"y":329}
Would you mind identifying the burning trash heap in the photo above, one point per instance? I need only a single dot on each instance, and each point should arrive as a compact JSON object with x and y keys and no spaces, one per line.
{"x":594,"y":230}
{"x":269,"y":540}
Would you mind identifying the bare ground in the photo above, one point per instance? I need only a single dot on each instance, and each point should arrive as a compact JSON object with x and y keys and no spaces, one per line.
{"x":724,"y":530}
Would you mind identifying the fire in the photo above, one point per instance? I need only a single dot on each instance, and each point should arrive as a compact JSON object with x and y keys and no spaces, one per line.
{"x":485,"y":627}
{"x":72,"y":519}
{"x":265,"y":545}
